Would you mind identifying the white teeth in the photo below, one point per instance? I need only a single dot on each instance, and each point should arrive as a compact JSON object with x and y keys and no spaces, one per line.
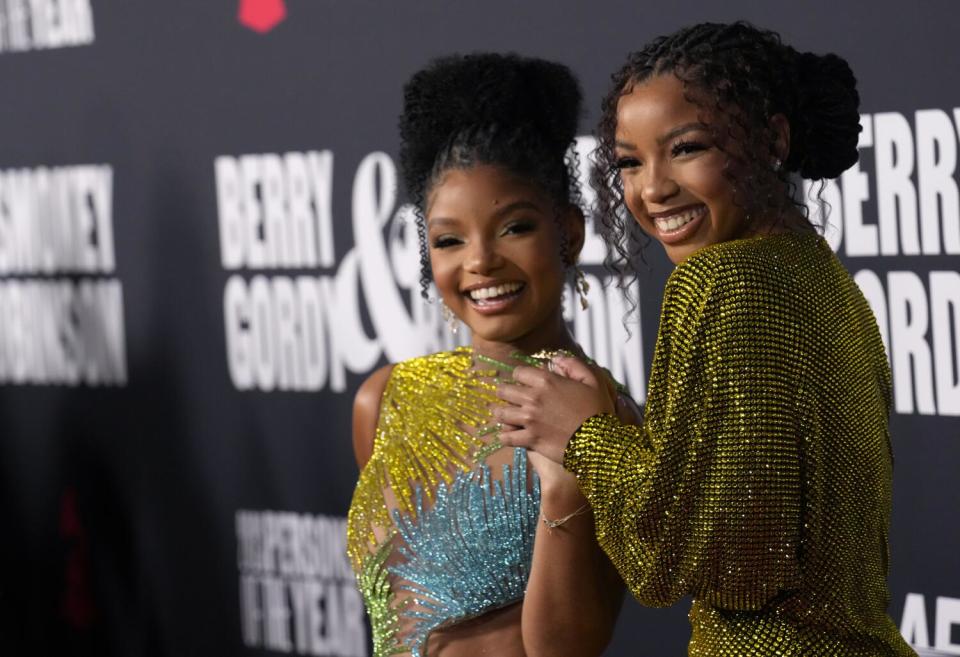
{"x":482,"y":293}
{"x":676,"y":221}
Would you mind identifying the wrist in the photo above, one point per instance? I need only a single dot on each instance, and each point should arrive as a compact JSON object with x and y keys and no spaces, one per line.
{"x":558,"y":494}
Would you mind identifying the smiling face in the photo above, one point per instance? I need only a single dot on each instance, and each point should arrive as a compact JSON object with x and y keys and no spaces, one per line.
{"x":672,"y":172}
{"x":495,"y":252}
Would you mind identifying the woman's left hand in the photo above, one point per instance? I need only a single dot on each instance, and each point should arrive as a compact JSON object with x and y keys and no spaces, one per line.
{"x":544,"y":409}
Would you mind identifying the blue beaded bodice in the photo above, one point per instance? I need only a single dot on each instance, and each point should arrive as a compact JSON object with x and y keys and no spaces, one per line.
{"x":471,"y":552}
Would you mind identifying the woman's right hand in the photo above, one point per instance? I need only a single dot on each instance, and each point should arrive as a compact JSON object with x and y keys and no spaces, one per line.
{"x":546,"y":408}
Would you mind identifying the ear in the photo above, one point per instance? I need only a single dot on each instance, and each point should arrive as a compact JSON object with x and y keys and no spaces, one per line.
{"x":574,"y":230}
{"x":780,"y":127}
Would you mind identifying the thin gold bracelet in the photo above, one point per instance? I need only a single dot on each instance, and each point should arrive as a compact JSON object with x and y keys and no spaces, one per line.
{"x":553,"y":524}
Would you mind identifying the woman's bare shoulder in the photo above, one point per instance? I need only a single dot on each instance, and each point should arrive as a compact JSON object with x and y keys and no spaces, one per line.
{"x":366,"y":413}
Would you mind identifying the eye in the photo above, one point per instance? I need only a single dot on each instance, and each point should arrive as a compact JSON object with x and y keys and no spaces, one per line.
{"x":519,"y":228}
{"x":445,"y":241}
{"x":688,"y":147}
{"x":626,"y":163}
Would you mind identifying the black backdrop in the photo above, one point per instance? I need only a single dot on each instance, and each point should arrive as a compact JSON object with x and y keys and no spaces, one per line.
{"x":182,"y":327}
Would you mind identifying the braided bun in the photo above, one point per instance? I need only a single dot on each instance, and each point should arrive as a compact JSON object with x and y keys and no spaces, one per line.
{"x":825,"y":124}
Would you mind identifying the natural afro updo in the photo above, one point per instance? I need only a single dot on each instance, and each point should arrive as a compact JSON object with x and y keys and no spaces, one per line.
{"x":515,"y":112}
{"x":740,"y":76}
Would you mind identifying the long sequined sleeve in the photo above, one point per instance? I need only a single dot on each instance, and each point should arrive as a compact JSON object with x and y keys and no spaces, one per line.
{"x":760,"y":482}
{"x":705,"y":497}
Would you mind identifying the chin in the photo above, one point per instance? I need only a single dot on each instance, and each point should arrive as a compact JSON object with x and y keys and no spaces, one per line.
{"x":677,"y":254}
{"x":500,"y":332}
{"x":497,"y":335}
{"x":681,"y":252}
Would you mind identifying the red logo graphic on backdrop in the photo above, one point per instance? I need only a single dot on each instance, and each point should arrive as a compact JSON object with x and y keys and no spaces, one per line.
{"x":261,"y":15}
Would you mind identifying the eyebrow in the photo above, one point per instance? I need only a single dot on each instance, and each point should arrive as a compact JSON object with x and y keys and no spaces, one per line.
{"x":441,"y":221}
{"x":507,"y":209}
{"x":679,"y":130}
{"x":671,"y":134}
{"x":517,"y":205}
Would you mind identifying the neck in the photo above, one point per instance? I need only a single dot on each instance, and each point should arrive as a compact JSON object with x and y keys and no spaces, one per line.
{"x":552,"y":334}
{"x":791,"y":221}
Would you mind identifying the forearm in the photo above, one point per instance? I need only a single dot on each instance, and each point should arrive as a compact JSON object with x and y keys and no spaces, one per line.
{"x":712,"y":512}
{"x":614,"y":465}
{"x":574,"y":593}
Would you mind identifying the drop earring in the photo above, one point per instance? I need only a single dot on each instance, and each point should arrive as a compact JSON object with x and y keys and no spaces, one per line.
{"x":453,"y":323}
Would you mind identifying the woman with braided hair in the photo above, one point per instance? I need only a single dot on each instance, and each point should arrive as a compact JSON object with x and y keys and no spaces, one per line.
{"x":759,"y":482}
{"x":460,"y":548}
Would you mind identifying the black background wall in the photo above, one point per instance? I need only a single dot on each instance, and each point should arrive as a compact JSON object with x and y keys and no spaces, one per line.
{"x":202,"y":254}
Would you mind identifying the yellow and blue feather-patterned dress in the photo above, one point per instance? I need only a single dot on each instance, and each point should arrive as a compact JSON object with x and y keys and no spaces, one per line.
{"x":435,"y":534}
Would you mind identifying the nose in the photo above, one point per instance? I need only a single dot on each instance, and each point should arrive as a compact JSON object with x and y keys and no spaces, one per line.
{"x":481,"y":257}
{"x":657,"y":185}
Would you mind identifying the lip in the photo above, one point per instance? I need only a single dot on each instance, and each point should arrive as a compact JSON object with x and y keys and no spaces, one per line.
{"x":477,"y":286}
{"x":493,"y":307}
{"x":688,"y":229}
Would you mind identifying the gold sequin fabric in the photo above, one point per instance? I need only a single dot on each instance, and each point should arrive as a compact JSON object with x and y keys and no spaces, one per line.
{"x":760,"y":481}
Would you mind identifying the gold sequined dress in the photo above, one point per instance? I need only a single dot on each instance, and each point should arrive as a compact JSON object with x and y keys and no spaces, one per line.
{"x":760,"y":481}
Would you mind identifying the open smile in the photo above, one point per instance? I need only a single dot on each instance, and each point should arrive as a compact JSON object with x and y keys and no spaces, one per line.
{"x":676,"y":225}
{"x":492,"y":299}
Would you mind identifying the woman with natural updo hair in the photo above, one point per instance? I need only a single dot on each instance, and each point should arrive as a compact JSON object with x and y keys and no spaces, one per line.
{"x":460,"y":548}
{"x":759,"y":482}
